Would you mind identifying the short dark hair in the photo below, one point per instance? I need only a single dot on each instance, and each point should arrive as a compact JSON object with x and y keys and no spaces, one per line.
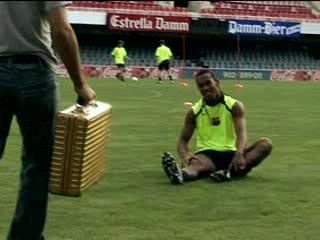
{"x":120,"y":42}
{"x":162,"y":41}
{"x":205,"y":71}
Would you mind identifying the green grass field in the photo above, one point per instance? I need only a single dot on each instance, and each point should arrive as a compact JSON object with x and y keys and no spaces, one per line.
{"x":278,"y":201}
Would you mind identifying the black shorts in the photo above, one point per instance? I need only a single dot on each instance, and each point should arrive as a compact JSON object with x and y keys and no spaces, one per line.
{"x":164,"y":65}
{"x":222,"y":160}
{"x":120,"y":65}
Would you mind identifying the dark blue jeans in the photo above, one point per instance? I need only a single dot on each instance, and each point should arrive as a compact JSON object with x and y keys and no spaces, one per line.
{"x":29,"y":92}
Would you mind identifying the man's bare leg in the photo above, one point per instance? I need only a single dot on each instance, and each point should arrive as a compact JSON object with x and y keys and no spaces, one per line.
{"x":201,"y":164}
{"x":254,"y":155}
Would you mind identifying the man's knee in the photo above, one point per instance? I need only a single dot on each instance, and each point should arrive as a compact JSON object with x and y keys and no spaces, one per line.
{"x":201,"y":165}
{"x":196,"y":163}
{"x":265,"y":145}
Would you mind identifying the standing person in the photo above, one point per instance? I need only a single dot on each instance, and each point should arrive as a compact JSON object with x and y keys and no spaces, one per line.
{"x":28,"y":90}
{"x":220,"y":125}
{"x":119,"y":55}
{"x":163,"y":56}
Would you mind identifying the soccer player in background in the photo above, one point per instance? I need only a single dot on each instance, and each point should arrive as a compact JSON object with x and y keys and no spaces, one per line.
{"x":163,"y":56}
{"x":221,"y":149}
{"x":119,"y":55}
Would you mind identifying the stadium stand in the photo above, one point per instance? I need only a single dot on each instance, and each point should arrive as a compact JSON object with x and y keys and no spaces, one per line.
{"x":275,"y":10}
{"x":131,"y":6}
{"x":218,"y":58}
{"x":260,"y":59}
{"x":251,"y":58}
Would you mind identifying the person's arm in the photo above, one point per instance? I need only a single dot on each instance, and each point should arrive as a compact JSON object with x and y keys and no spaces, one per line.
{"x":113,"y":53}
{"x":125,"y":55}
{"x":157,"y":55}
{"x":66,"y":44}
{"x":170,"y":55}
{"x":238,"y":113}
{"x":185,"y":136}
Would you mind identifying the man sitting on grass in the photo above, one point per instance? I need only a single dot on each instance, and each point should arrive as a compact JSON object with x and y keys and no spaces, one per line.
{"x":220,"y":125}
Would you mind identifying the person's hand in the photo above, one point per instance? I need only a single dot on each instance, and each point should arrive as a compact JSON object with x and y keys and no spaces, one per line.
{"x":238,"y":162}
{"x":86,"y":93}
{"x":187,"y":159}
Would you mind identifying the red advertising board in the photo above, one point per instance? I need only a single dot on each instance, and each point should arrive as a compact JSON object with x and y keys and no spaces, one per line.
{"x":144,"y":23}
{"x":295,"y":75}
{"x":102,"y":71}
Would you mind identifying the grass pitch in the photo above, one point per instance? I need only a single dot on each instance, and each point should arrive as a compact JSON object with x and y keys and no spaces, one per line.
{"x":278,"y":201}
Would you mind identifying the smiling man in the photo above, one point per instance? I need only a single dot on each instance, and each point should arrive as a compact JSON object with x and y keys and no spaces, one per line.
{"x":221,"y":151}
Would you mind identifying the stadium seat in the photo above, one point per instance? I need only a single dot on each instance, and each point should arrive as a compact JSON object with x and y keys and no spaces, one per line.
{"x":139,"y":6}
{"x":280,"y":10}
